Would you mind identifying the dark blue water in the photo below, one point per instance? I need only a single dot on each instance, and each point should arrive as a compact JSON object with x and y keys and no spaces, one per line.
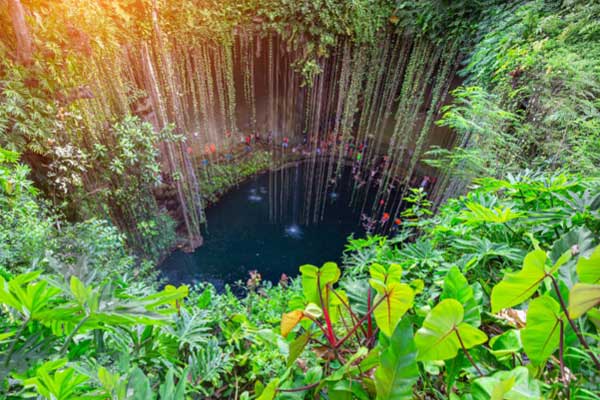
{"x":262,"y":225}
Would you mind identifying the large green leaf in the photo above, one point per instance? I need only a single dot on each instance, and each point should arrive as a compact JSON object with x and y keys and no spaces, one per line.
{"x":456,"y":287}
{"x":517,"y":287}
{"x":53,"y":381}
{"x":482,"y":214}
{"x":297,"y":347}
{"x":588,"y":269}
{"x":311,"y":275}
{"x":507,"y":385}
{"x":26,"y":296}
{"x":139,"y":385}
{"x":581,"y":237}
{"x":542,"y":333}
{"x":438,"y":339}
{"x":269,"y":391}
{"x":170,"y":391}
{"x":398,"y":298}
{"x":582,"y":298}
{"x":398,"y":371}
{"x":382,"y":276}
{"x":506,"y":344}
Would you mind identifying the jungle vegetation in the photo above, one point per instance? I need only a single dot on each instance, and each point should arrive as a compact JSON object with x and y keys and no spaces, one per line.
{"x":490,"y":289}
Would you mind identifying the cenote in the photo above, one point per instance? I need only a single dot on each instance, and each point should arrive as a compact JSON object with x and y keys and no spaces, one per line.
{"x":299,"y":199}
{"x":268,"y":224}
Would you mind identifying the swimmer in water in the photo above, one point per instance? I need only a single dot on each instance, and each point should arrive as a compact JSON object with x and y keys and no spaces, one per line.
{"x":425,"y":182}
{"x":385,"y":218}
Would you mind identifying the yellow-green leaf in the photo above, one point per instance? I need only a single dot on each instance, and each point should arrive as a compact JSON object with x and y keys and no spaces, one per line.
{"x":582,"y":298}
{"x":311,"y":275}
{"x":588,"y":269}
{"x":517,"y":287}
{"x":290,"y":320}
{"x":398,"y":298}
{"x":542,"y":333}
{"x":437,"y":339}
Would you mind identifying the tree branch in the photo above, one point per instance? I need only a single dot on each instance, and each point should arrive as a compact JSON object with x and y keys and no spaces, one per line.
{"x":22,"y":34}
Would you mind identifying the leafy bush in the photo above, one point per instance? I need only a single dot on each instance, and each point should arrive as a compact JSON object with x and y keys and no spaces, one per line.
{"x":490,"y":300}
{"x":531,"y":90}
{"x":497,"y":294}
{"x":25,"y":224}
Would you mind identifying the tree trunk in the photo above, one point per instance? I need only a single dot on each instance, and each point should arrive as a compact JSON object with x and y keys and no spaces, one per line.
{"x":22,"y":34}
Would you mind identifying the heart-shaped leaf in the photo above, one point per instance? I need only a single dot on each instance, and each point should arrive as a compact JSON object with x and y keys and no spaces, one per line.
{"x":542,"y":333}
{"x":397,"y":299}
{"x":314,"y":279}
{"x":517,"y":287}
{"x":438,"y":338}
{"x":384,"y":276}
{"x":457,"y":287}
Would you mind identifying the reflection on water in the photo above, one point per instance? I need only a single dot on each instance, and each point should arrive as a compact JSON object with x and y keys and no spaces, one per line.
{"x":268,"y":224}
{"x":294,"y":231}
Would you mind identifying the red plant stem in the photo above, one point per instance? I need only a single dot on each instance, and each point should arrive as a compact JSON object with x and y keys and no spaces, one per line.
{"x":347,"y":306}
{"x":579,"y":335}
{"x":330,"y":334}
{"x":320,"y":325}
{"x":342,"y":340}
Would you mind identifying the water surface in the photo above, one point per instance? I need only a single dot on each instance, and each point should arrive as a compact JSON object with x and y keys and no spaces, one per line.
{"x":262,"y":225}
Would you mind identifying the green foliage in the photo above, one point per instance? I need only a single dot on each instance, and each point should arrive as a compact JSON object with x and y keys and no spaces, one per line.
{"x":25,"y":224}
{"x":90,"y":324}
{"x":457,"y":287}
{"x":27,"y":116}
{"x":444,"y":332}
{"x":81,"y":318}
{"x":531,"y":90}
{"x":542,"y":333}
{"x":398,"y":371}
{"x":126,"y":175}
{"x":217,"y":179}
{"x":515,"y":384}
{"x":515,"y":288}
{"x":54,"y":384}
{"x":394,"y":298}
{"x":515,"y":242}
